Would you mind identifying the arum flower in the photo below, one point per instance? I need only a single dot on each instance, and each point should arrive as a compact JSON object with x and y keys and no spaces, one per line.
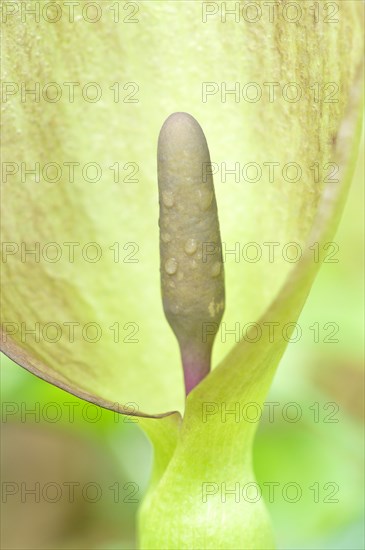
{"x":95,"y":261}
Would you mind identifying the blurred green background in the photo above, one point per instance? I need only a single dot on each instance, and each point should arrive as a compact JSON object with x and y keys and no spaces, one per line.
{"x":68,"y":446}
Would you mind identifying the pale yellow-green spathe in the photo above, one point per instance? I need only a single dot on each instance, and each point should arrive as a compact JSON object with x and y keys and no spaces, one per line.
{"x":169,"y":54}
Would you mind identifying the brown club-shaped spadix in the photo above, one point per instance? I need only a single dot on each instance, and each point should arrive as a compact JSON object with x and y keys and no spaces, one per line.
{"x":192,"y":276}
